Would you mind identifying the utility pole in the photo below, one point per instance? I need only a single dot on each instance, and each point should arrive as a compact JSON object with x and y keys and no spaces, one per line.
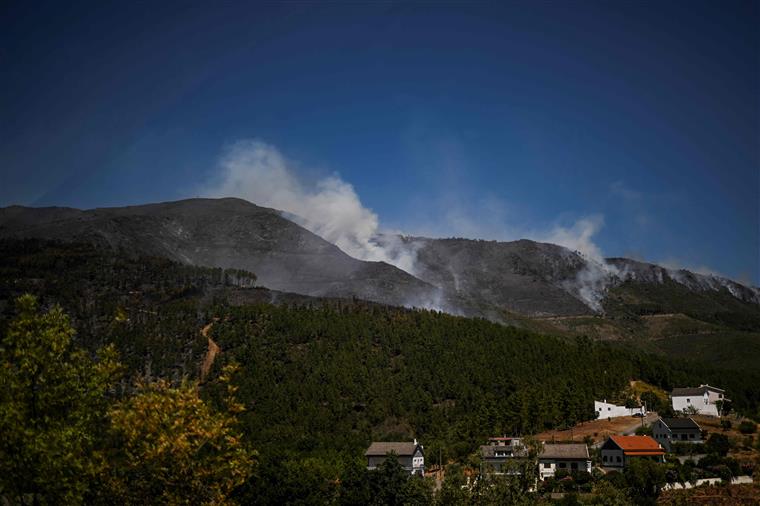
{"x":643,"y":414}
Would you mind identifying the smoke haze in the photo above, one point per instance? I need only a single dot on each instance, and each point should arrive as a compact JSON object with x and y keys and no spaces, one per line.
{"x":258,"y":172}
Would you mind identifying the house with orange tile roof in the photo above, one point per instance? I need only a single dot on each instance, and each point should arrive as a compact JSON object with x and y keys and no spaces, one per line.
{"x":618,"y":451}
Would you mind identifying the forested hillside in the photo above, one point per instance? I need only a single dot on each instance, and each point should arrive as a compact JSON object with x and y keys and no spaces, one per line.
{"x":325,"y":374}
{"x":323,"y":378}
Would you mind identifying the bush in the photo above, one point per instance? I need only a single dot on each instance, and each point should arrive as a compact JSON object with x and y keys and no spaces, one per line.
{"x":725,"y":424}
{"x":747,"y":427}
{"x":679,"y":448}
{"x":718,"y":444}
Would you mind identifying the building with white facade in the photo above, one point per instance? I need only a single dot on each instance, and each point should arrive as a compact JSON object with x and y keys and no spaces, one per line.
{"x":569,"y":457}
{"x":604,"y":409}
{"x":409,"y":454}
{"x":701,"y":400}
{"x":502,"y":454}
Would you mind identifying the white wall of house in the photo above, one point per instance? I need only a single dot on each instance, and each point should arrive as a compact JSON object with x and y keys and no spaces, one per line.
{"x":548,"y":467}
{"x":703,"y":404}
{"x":606,"y":409}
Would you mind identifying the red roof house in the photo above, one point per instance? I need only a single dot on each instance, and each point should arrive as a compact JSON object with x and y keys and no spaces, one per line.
{"x":618,"y":450}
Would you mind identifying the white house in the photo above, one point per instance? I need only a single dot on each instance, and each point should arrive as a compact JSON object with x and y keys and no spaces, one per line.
{"x":618,"y":451}
{"x":501,"y":454}
{"x":697,"y":400}
{"x":569,"y":457}
{"x":409,"y":454}
{"x":604,"y":409}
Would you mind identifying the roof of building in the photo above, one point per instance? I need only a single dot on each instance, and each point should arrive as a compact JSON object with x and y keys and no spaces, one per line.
{"x":489,"y":451}
{"x":700,"y":390}
{"x":402,"y":448}
{"x":680,"y":423}
{"x":637,"y":445}
{"x":572,"y":451}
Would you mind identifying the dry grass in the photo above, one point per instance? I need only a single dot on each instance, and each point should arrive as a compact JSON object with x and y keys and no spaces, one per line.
{"x":719,"y":495}
{"x":597,"y":430}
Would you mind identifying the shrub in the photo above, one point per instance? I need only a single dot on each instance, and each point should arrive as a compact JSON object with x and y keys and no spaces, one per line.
{"x":725,"y":424}
{"x":747,"y":427}
{"x":718,"y":444}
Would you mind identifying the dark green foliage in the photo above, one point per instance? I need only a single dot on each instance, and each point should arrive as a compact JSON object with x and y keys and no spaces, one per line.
{"x":632,"y":298}
{"x":645,"y":478}
{"x":321,"y":380}
{"x":147,"y":307}
{"x":747,"y":427}
{"x":53,"y":401}
{"x":718,"y":444}
{"x":654,"y":402}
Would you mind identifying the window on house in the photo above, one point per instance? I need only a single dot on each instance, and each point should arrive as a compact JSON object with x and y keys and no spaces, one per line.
{"x":688,"y":401}
{"x":562,"y":465}
{"x":609,"y":409}
{"x":604,"y":459}
{"x":574,"y":465}
{"x":547,"y":465}
{"x":619,"y":459}
{"x":691,"y":436}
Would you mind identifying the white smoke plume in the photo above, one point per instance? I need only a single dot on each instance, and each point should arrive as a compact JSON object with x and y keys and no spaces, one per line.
{"x":592,"y":282}
{"x":258,"y":172}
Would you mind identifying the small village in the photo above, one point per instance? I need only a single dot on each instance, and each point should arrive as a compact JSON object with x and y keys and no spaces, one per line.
{"x":564,"y":464}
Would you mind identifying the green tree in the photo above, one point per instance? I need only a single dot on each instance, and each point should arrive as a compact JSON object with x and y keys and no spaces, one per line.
{"x":53,"y":399}
{"x":606,"y":494}
{"x":418,"y":491}
{"x":645,"y":477}
{"x":389,"y":482}
{"x":172,"y":448}
{"x":454,"y":489}
{"x":354,"y":484}
{"x":747,"y":427}
{"x":718,"y":444}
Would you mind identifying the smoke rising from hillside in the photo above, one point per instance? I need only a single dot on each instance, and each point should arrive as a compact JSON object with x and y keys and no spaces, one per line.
{"x":259,"y":172}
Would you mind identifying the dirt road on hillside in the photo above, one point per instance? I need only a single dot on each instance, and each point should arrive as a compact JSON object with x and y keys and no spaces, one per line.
{"x":211,"y":353}
{"x":598,"y":430}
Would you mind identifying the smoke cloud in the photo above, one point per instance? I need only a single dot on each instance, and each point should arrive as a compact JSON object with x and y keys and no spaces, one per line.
{"x":258,"y":172}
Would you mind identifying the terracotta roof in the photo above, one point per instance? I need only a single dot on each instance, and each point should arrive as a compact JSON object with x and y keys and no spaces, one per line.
{"x":638,"y":445}
{"x":573,"y":451}
{"x":384,"y":448}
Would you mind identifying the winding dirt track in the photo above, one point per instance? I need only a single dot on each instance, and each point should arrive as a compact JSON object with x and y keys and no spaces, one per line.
{"x":213,"y":351}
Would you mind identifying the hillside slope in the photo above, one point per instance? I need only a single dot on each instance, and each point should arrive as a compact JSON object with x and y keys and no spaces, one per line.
{"x":509,"y":282}
{"x":226,"y":233}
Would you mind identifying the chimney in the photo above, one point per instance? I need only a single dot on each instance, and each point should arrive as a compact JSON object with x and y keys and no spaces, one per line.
{"x":415,"y":441}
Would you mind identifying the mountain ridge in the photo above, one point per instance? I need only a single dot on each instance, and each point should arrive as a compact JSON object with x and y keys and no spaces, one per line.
{"x":469,"y":277}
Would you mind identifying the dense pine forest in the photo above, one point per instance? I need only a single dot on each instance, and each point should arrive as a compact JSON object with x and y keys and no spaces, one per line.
{"x":317,"y":380}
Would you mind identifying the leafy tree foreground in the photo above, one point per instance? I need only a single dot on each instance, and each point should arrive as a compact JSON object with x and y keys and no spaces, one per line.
{"x":66,"y":439}
{"x":114,"y":413}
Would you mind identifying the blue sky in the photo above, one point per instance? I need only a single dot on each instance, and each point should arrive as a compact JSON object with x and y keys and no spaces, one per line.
{"x":492,"y":120}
